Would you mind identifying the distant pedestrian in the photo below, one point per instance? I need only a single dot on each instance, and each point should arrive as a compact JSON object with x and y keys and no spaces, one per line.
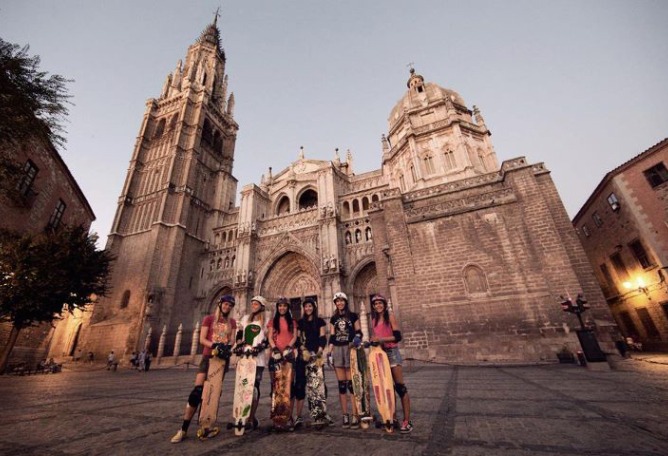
{"x":111,"y":361}
{"x":141,"y":360}
{"x":147,"y":361}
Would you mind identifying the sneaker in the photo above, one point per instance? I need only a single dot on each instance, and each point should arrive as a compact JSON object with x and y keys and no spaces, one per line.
{"x":354,"y":422}
{"x":395,"y":424}
{"x":406,"y":427}
{"x":179,"y":436}
{"x":299,"y":422}
{"x":329,"y":419}
{"x":346,"y":420}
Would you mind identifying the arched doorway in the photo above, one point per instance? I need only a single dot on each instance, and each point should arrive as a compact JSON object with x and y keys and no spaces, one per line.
{"x":294,"y":276}
{"x":364,"y":285}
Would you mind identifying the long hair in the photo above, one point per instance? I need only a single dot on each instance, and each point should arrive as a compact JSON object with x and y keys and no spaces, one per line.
{"x":314,"y":317}
{"x":375,"y":316}
{"x":346,"y":310}
{"x":277,"y":320}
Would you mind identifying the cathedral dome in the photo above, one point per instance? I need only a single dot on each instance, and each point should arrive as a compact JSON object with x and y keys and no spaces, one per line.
{"x":418,"y":92}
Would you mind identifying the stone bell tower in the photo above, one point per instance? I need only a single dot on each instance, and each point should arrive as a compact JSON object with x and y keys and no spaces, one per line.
{"x":179,"y":186}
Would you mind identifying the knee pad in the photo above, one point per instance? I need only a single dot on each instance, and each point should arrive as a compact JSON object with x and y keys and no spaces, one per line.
{"x":195,"y":396}
{"x":343,"y":386}
{"x":401,"y":389}
{"x":350,"y":386}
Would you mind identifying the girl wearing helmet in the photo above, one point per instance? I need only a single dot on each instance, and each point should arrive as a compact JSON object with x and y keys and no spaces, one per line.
{"x":252,"y":332}
{"x":385,"y":330}
{"x":344,"y":330}
{"x":282,"y":338}
{"x":311,"y":333}
{"x":221,"y":319}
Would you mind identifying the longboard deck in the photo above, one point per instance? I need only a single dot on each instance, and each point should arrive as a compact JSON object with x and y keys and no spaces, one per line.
{"x":315,"y":391}
{"x":383,"y":385}
{"x":280,"y":397}
{"x":243,"y":392}
{"x":213,"y":386}
{"x":359,"y":374}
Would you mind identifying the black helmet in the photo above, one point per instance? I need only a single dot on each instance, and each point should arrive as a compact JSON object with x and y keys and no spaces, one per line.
{"x":310,"y":301}
{"x":227,"y":298}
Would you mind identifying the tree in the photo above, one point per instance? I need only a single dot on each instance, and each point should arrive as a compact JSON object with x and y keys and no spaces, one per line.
{"x":44,"y":275}
{"x":32,"y":103}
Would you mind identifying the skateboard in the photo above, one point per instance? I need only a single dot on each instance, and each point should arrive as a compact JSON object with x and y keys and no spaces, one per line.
{"x":244,"y":387}
{"x":213,"y":385}
{"x":315,"y":389}
{"x":359,"y":373}
{"x":383,"y":385}
{"x":281,"y":388}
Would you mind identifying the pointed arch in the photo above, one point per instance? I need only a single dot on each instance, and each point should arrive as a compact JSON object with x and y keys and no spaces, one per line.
{"x":283,"y":205}
{"x":475,"y":279}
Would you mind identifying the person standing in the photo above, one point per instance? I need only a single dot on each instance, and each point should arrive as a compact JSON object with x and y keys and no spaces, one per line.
{"x":282,"y":337}
{"x":344,"y":331}
{"x":385,"y":331}
{"x":111,"y":359}
{"x":311,"y":334}
{"x":252,"y":332}
{"x":229,"y":326}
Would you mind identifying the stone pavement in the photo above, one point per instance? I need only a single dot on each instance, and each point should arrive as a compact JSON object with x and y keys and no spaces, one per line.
{"x":547,"y":410}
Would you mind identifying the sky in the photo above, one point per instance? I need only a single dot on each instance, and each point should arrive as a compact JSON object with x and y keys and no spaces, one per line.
{"x":579,"y":86}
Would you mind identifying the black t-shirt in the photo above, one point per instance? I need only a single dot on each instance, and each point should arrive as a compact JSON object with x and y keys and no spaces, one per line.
{"x":344,"y":328}
{"x":311,"y":332}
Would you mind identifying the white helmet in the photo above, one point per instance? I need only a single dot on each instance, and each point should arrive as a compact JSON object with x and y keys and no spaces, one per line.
{"x":261,"y":300}
{"x":340,"y":295}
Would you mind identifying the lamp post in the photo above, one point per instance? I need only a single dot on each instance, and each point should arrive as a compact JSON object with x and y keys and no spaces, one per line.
{"x":590,"y":347}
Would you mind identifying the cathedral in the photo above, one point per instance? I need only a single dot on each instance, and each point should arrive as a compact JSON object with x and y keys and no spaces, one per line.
{"x":473,"y":254}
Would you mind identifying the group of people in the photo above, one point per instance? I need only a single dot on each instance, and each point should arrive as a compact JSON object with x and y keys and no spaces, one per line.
{"x":282,"y":334}
{"x":141,"y":361}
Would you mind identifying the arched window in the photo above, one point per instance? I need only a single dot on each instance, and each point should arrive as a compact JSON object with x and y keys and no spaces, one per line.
{"x":160,"y":129}
{"x":368,"y":233}
{"x":475,"y":279}
{"x":429,"y":164}
{"x":358,"y":236}
{"x":349,"y":238}
{"x":375,"y":198}
{"x":356,"y":207}
{"x":219,"y":263}
{"x":217,"y":143}
{"x":481,"y":159}
{"x":413,"y":174}
{"x":227,"y":262}
{"x":308,"y":199}
{"x":402,"y":183}
{"x":212,"y":264}
{"x":207,"y":133}
{"x":233,"y":259}
{"x":283,"y":206}
{"x":172,"y":122}
{"x":346,"y":209}
{"x":365,"y":203}
{"x":125,"y":300}
{"x":449,"y":160}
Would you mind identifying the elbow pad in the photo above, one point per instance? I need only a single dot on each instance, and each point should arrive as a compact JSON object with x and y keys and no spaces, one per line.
{"x":359,"y":334}
{"x":332,"y":339}
{"x":397,"y":336}
{"x":322,"y":341}
{"x":240,"y":335}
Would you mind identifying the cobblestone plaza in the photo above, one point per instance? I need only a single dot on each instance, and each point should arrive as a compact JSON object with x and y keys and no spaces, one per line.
{"x":457,"y":410}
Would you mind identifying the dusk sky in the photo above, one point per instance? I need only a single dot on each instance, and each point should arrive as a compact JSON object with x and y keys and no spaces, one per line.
{"x":578,"y":85}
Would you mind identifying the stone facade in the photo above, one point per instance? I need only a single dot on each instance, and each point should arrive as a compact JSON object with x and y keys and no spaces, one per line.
{"x":47,"y":195}
{"x":622,"y":227}
{"x":472,"y":254}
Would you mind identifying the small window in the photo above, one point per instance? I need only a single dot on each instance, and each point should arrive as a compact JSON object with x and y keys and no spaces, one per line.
{"x":29,"y":173}
{"x":640,"y":254}
{"x":620,"y":267}
{"x":613,"y":202}
{"x":125,"y":300}
{"x":402,"y":182}
{"x":57,"y":215}
{"x":656,"y":175}
{"x":585,"y":230}
{"x":598,"y":221}
{"x":450,"y":162}
{"x":474,"y":279}
{"x":413,"y":174}
{"x":647,"y":322}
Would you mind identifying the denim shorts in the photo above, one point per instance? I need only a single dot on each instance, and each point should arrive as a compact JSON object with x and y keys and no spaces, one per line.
{"x":394,"y":355}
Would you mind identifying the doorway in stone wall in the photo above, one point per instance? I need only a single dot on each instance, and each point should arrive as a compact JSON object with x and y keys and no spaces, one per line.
{"x":293,"y":276}
{"x":364,"y":285}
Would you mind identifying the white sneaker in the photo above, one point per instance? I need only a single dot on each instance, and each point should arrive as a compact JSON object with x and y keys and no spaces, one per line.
{"x":179,"y":436}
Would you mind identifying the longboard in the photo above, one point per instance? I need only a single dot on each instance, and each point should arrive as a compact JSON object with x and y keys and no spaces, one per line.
{"x":383,"y":385}
{"x":359,"y":374}
{"x":213,"y":386}
{"x":315,"y":390}
{"x":280,"y":396}
{"x":244,"y":386}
